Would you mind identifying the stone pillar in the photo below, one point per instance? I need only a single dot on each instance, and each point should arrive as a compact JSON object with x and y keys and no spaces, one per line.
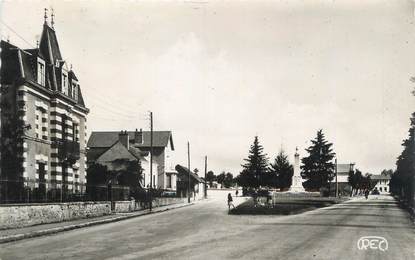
{"x":297,"y":180}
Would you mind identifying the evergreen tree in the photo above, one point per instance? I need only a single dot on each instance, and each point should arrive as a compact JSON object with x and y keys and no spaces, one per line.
{"x":210,"y":177}
{"x":228,"y":180}
{"x":318,"y":167}
{"x":281,"y":171}
{"x":402,"y":182}
{"x":254,"y":172}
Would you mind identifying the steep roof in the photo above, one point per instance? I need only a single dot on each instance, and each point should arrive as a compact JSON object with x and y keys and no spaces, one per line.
{"x":18,"y":64}
{"x":49,"y":46}
{"x":100,"y":139}
{"x":184,"y":172}
{"x":10,"y":65}
{"x":380,"y":177}
{"x":117,"y":151}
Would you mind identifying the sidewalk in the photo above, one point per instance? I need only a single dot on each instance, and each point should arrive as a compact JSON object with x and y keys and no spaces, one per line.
{"x":9,"y":235}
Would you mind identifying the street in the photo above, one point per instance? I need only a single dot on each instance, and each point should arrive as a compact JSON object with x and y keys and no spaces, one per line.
{"x":206,"y":231}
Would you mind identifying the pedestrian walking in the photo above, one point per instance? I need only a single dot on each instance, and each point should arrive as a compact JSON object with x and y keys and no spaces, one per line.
{"x":366,"y":193}
{"x":230,"y":201}
{"x":236,"y":193}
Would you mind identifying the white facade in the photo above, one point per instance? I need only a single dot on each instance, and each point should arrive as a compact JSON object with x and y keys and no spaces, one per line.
{"x":382,"y":186}
{"x":145,"y":164}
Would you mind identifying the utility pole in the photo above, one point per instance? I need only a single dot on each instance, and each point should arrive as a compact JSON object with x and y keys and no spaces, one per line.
{"x":337,"y":183}
{"x":205,"y":186}
{"x":151,"y":160}
{"x":188,"y":165}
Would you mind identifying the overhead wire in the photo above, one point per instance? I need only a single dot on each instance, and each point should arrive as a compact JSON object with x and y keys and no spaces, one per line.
{"x":17,"y":34}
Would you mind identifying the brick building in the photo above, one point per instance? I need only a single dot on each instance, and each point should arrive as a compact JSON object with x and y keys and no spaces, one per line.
{"x":43,"y":123}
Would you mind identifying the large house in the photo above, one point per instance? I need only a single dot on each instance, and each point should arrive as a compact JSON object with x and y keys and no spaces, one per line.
{"x":164,"y":174}
{"x":382,"y":183}
{"x":43,"y":123}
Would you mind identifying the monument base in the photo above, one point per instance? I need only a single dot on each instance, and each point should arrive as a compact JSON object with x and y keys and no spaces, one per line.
{"x":296,"y":189}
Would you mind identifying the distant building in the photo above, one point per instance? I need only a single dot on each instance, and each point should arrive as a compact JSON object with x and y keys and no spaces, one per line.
{"x":382,"y":183}
{"x":197,"y":184}
{"x":43,"y":122}
{"x":343,"y":171}
{"x":164,"y":175}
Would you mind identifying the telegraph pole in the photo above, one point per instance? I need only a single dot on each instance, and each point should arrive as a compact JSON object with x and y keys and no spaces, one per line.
{"x":205,"y":186}
{"x":337,"y":183}
{"x":151,"y":160}
{"x":188,"y":165}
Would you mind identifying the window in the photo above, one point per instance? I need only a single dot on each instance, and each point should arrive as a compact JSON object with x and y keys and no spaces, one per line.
{"x":64,"y":84}
{"x":38,"y":114}
{"x":41,"y":72}
{"x":75,"y":96}
{"x":168,"y":181}
{"x":75,"y":132}
{"x":41,"y":123}
{"x":74,"y":90}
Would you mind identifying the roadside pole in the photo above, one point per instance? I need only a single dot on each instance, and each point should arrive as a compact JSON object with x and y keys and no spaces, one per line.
{"x":151,"y":160}
{"x":205,"y":185}
{"x":337,"y":183}
{"x":188,"y":165}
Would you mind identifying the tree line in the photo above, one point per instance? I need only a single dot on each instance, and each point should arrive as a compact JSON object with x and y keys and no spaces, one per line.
{"x":402,"y":183}
{"x":258,"y":172}
{"x":317,"y":168}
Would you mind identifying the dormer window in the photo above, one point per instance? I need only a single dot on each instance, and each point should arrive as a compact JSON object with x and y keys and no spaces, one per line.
{"x":40,"y":72}
{"x":65,"y":83}
{"x":74,"y":91}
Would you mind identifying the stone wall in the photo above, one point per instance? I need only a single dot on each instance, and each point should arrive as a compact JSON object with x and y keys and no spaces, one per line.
{"x":126,"y":206}
{"x":159,"y":202}
{"x":23,"y":215}
{"x":129,"y":206}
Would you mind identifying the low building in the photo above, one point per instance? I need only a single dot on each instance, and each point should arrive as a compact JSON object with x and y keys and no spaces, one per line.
{"x":343,"y":171}
{"x":382,"y":183}
{"x":197,"y":184}
{"x":164,"y":175}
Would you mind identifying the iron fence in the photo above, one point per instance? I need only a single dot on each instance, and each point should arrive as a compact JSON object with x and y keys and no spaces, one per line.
{"x":27,"y":191}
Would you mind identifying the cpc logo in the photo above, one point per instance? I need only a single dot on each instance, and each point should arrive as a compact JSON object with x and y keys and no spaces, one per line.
{"x":373,"y":243}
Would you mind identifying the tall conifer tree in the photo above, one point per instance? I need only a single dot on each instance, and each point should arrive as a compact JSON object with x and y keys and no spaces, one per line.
{"x":318,"y":167}
{"x":255,"y":171}
{"x":281,"y":171}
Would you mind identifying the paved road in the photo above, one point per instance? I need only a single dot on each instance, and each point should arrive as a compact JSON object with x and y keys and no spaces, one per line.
{"x":205,"y":231}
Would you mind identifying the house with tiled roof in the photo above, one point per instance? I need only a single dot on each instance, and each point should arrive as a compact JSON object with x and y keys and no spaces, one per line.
{"x":43,"y":122}
{"x":164,"y":174}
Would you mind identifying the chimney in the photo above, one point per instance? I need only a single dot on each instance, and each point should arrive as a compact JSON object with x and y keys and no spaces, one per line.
{"x":124,"y":139}
{"x":138,"y":136}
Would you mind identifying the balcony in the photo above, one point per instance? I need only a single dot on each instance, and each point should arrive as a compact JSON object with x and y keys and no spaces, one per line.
{"x":68,"y":151}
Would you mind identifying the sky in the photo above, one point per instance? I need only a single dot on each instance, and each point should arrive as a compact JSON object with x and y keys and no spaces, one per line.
{"x":218,"y":73}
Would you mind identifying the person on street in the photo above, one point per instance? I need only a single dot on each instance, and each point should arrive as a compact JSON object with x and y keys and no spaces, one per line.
{"x":230,"y":201}
{"x":366,"y":193}
{"x":236,"y":193}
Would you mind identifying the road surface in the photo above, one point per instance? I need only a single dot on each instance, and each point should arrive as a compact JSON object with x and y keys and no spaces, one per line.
{"x":205,"y":231}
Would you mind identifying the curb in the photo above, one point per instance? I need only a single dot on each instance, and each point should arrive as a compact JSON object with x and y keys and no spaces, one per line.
{"x":55,"y":230}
